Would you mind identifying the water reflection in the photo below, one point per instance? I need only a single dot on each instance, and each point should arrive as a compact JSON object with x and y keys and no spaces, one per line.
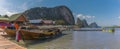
{"x":96,"y":40}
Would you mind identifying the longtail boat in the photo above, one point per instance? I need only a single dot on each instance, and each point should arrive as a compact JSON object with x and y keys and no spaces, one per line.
{"x":38,"y":33}
{"x":29,"y":33}
{"x":10,"y":31}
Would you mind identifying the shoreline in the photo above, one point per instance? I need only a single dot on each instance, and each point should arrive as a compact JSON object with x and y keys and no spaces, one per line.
{"x":62,"y":42}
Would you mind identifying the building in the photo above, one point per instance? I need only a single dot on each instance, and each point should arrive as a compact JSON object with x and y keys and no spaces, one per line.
{"x":19,"y":18}
{"x":36,"y":22}
{"x":22,"y":20}
{"x":48,"y":22}
{"x":4,"y":22}
{"x":2,"y":19}
{"x":41,"y":22}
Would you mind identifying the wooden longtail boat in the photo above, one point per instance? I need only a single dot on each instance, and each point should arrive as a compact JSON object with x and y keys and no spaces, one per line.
{"x":28,"y":35}
{"x":33,"y":33}
{"x":38,"y":33}
{"x":10,"y":31}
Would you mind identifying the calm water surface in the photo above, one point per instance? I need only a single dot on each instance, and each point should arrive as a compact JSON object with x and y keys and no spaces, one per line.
{"x":96,"y":40}
{"x":83,"y":40}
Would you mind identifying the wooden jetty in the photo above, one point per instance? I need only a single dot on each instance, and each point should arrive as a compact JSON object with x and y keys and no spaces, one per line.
{"x":6,"y":44}
{"x":73,"y":28}
{"x":87,"y":29}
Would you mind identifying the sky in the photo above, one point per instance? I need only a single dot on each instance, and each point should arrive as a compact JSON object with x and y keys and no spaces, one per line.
{"x":103,"y":12}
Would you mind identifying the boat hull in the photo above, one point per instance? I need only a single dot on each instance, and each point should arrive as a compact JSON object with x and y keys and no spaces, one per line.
{"x":30,"y":35}
{"x":10,"y":32}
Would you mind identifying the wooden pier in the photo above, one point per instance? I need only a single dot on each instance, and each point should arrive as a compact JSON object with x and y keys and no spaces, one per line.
{"x":87,"y":29}
{"x":6,"y":44}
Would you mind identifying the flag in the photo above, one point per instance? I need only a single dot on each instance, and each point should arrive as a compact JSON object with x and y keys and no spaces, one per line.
{"x":17,"y":32}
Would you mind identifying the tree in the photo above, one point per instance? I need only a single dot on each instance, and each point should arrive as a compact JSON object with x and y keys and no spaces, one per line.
{"x":59,"y":22}
{"x":6,"y":16}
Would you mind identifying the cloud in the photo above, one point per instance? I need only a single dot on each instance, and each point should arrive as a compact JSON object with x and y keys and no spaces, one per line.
{"x":119,"y":17}
{"x":79,"y":15}
{"x":10,"y":8}
{"x":4,"y":11}
{"x":90,"y":16}
{"x":84,"y":16}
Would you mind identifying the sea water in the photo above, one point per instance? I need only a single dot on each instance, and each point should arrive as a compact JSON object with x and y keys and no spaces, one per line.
{"x":79,"y":40}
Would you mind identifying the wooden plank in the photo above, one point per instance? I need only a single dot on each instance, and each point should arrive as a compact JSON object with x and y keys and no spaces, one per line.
{"x":6,"y":44}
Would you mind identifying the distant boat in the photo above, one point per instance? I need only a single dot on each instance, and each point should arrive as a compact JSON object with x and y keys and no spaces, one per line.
{"x":108,"y":30}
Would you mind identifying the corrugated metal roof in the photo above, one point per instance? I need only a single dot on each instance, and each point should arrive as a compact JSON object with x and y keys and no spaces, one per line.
{"x":35,"y":21}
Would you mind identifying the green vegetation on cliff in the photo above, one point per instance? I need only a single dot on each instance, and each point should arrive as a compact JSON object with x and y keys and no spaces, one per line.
{"x":60,"y":14}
